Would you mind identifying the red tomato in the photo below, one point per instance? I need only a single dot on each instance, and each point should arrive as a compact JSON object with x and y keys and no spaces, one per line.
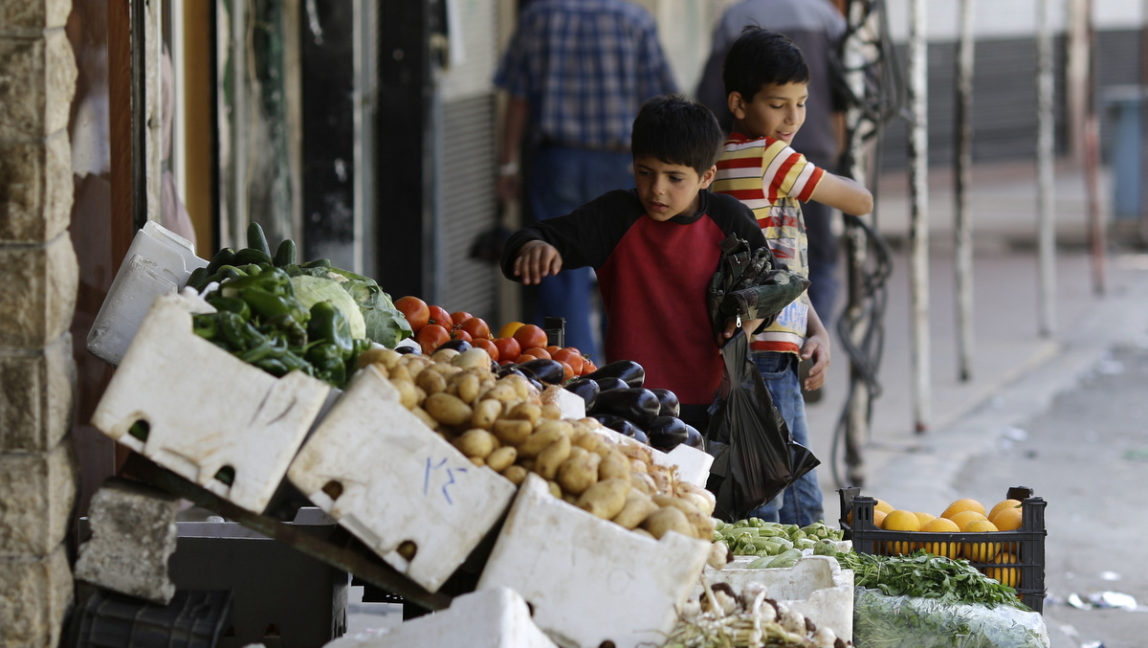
{"x":537,"y":352}
{"x":458,"y":317}
{"x":431,"y":336}
{"x":531,"y":335}
{"x":459,"y":334}
{"x":567,"y":372}
{"x":588,"y":367}
{"x":415,"y":310}
{"x":508,"y":348}
{"x":571,"y":357}
{"x":477,"y":327}
{"x":438,"y":315}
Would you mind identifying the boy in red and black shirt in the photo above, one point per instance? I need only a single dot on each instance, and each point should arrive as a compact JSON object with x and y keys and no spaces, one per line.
{"x":654,"y":249}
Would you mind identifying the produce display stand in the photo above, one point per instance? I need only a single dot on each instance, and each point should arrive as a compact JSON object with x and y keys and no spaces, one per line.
{"x":341,"y":550}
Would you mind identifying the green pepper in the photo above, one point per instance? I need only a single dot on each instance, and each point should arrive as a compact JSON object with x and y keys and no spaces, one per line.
{"x":233,"y":304}
{"x":294,"y":333}
{"x":285,"y":253}
{"x":205,"y":325}
{"x":239,"y":334}
{"x":328,"y":324}
{"x":329,"y":363}
{"x":197,"y":279}
{"x":221,"y":258}
{"x":256,"y":240}
{"x":252,"y":255}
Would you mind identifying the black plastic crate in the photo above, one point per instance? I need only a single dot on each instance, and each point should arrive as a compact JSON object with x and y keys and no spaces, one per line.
{"x":106,"y":619}
{"x":1025,"y":543}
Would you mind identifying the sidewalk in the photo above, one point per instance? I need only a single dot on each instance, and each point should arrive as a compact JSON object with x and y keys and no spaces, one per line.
{"x":1015,"y":371}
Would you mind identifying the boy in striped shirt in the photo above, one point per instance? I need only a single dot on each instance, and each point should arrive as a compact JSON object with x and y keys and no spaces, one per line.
{"x":766,"y":82}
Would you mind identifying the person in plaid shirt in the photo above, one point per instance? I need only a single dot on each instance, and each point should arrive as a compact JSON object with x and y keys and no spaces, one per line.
{"x":576,"y":72}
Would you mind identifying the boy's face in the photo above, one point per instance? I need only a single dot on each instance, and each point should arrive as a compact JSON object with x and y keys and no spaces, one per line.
{"x":667,"y":190}
{"x":777,"y":111}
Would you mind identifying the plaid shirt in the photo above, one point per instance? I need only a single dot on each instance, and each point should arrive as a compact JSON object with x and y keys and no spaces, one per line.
{"x":585,"y":67}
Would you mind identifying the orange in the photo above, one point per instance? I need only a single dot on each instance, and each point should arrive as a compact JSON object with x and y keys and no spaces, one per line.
{"x":883,"y":506}
{"x":879,"y":519}
{"x":1007,"y":519}
{"x":965,"y":517}
{"x":981,"y":552}
{"x":900,"y":520}
{"x":1004,"y":575}
{"x":942,"y":525}
{"x":1002,"y":504}
{"x":924,"y":518}
{"x":508,"y":329}
{"x":963,"y":504}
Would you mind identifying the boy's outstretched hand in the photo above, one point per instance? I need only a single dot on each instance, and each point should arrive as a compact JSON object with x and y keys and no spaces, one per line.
{"x":816,"y":349}
{"x":537,"y":259}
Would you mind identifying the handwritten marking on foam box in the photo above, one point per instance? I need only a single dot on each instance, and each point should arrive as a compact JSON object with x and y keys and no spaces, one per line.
{"x":589,"y":580}
{"x":384,"y":475}
{"x":206,"y":410}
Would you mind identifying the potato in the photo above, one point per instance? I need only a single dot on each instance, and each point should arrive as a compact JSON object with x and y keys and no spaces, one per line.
{"x":555,"y":489}
{"x":476,"y":442}
{"x":478,"y":461}
{"x":516,"y":474}
{"x":444,"y":356}
{"x":378,"y":355}
{"x":472,"y":358}
{"x":414,"y":363}
{"x":642,"y":482}
{"x":551,"y":411}
{"x":427,"y":419}
{"x":431,"y":382}
{"x":501,"y":458}
{"x":614,"y":465}
{"x":547,"y":462}
{"x":701,"y":498}
{"x":605,"y":499}
{"x":579,"y":471}
{"x":486,"y":413}
{"x":662,"y":480}
{"x":526,"y":411}
{"x":666,"y":519}
{"x":502,"y":393}
{"x":465,"y":386}
{"x":644,"y":533}
{"x":637,"y":508}
{"x":586,"y":438}
{"x":637,"y":465}
{"x":512,"y":432}
{"x":408,"y":395}
{"x":444,"y":369}
{"x":521,"y":386}
{"x":635,"y":450}
{"x":447,"y":409}
{"x":541,"y":437}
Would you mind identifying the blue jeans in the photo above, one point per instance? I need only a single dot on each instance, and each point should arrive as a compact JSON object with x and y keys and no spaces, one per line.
{"x":800,"y":503}
{"x":560,"y":180}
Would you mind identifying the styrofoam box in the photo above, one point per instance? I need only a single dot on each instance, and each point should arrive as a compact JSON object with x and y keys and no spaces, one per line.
{"x":589,"y":580}
{"x":494,"y":618}
{"x":158,"y":262}
{"x":693,"y":464}
{"x":816,"y":587}
{"x":205,"y":408}
{"x":384,"y":475}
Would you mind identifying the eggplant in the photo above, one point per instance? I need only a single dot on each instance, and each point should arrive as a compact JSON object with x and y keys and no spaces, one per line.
{"x":457,"y":345}
{"x":507,"y":369}
{"x":621,"y":425}
{"x":666,"y":432}
{"x":694,"y":438}
{"x":545,"y":370}
{"x":669,"y":402}
{"x":586,"y":388}
{"x":608,"y":383}
{"x":627,"y":370}
{"x":638,"y":404}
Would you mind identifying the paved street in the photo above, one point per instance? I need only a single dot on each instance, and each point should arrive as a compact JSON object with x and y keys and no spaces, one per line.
{"x":1062,"y":414}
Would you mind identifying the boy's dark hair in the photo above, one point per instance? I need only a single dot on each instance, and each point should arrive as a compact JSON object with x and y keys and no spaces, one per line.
{"x":677,"y":130}
{"x":760,"y":56}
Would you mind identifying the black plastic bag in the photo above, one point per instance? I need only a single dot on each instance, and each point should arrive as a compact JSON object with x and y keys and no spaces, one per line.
{"x":754,"y":456}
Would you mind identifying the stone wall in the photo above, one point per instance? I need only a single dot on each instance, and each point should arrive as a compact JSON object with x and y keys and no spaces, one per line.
{"x":37,"y":299}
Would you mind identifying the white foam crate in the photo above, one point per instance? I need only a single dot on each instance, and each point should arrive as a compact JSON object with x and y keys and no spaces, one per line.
{"x":494,"y":618}
{"x":395,"y":480}
{"x":158,"y":262}
{"x":206,"y":409}
{"x":816,"y":587}
{"x":588,"y":580}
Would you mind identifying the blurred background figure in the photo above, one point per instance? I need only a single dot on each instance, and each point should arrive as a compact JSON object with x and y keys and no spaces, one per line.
{"x":817,"y":27}
{"x":576,"y":72}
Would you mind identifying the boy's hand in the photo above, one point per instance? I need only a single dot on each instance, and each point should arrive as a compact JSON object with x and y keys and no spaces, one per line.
{"x":816,"y":349}
{"x":537,"y":259}
{"x":731,"y":325}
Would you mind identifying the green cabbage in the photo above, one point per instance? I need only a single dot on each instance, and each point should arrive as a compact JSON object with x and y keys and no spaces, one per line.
{"x":312,"y":290}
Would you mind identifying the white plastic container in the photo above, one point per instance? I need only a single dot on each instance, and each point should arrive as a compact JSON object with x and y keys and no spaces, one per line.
{"x":205,"y":409}
{"x":494,"y":618}
{"x":589,"y":580}
{"x":816,"y":587}
{"x":398,"y":486}
{"x":158,"y":262}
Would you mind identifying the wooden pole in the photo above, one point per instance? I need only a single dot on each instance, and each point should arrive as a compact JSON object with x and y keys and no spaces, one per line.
{"x":962,"y":166}
{"x":1046,"y":223}
{"x":919,"y":216}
